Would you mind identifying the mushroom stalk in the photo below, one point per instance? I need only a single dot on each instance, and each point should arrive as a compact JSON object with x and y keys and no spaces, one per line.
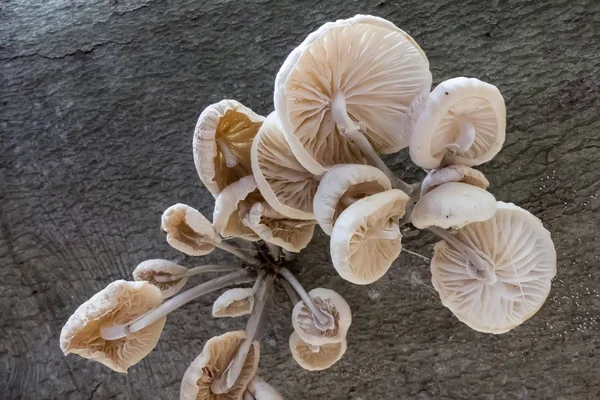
{"x":290,"y":292}
{"x":230,"y":158}
{"x":322,"y":320}
{"x":466,"y":136}
{"x":479,"y":268}
{"x":355,"y":133}
{"x":226,"y":381}
{"x":197,"y":271}
{"x":274,"y":251}
{"x":415,"y":196}
{"x":237,"y":252}
{"x":120,"y":331}
{"x":387,"y":234}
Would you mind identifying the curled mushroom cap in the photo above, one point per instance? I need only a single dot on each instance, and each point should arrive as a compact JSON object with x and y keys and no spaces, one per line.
{"x":151,"y":270}
{"x":363,"y":68}
{"x":233,"y":303}
{"x":329,"y":302}
{"x":290,"y":234}
{"x":341,"y":186}
{"x":316,"y":357}
{"x":453,"y":173}
{"x":119,"y":303}
{"x":523,"y":257}
{"x":188,"y":230}
{"x":285,"y":184}
{"x":214,"y":359}
{"x":464,"y":120}
{"x":261,"y":390}
{"x":222,"y":142}
{"x":453,"y":205}
{"x":366,"y":237}
{"x":232,"y":204}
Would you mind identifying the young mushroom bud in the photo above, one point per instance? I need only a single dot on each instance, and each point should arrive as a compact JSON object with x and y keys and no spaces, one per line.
{"x":316,"y":357}
{"x":232,"y":204}
{"x":167,"y":276}
{"x":453,"y":205}
{"x":343,"y":185}
{"x":308,"y":326}
{"x":189,"y":231}
{"x":212,"y":362}
{"x":222,"y":142}
{"x":234,"y":303}
{"x":521,"y":262}
{"x":453,"y":173}
{"x":120,"y":302}
{"x":366,"y":237}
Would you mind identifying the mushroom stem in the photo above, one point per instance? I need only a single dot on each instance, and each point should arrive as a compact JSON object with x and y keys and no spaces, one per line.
{"x":322,"y":320}
{"x":230,"y":158}
{"x":466,"y":135}
{"x":478,"y":268}
{"x":236,"y":252}
{"x":225,"y":382}
{"x":120,"y":331}
{"x":314,"y":348}
{"x":197,"y":271}
{"x":290,"y":292}
{"x":415,"y":196}
{"x":355,"y":133}
{"x":274,"y":250}
{"x":387,"y":234}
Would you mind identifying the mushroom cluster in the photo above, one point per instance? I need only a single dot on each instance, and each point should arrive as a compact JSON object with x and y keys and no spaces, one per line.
{"x":352,"y":90}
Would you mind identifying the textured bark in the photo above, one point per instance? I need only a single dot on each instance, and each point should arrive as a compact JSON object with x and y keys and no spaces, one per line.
{"x":98,"y":104}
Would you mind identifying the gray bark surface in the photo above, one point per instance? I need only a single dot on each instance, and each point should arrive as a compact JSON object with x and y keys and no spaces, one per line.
{"x":98,"y":104}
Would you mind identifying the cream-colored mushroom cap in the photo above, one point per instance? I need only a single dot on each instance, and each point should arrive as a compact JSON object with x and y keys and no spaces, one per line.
{"x":366,"y":237}
{"x":150,"y":270}
{"x":329,"y":302}
{"x":363,"y":68}
{"x":314,"y":357}
{"x":261,"y":390}
{"x":285,"y":184}
{"x":464,"y":119}
{"x":188,"y":230}
{"x":119,"y":303}
{"x":232,"y":204}
{"x":524,"y":263}
{"x":341,"y":186}
{"x":290,"y":234}
{"x":222,"y":142}
{"x":233,"y":303}
{"x":453,"y":205}
{"x":214,"y":359}
{"x":453,"y":173}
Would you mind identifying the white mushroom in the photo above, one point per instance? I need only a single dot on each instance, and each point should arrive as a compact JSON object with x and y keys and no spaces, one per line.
{"x":341,"y":186}
{"x":316,"y":357}
{"x":290,"y":234}
{"x":188,"y":230}
{"x":521,"y":264}
{"x":464,"y":122}
{"x":453,"y":173}
{"x":120,"y":302}
{"x":159,"y":274}
{"x":232,"y":204}
{"x":352,"y":80}
{"x":453,"y":205}
{"x":285,"y":184}
{"x":222,"y":142}
{"x":330,"y":303}
{"x":234,"y":303}
{"x":366,"y":237}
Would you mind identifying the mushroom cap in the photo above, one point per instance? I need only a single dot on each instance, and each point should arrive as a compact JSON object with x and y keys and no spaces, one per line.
{"x":290,"y":234}
{"x":353,"y":181}
{"x":363,"y":242}
{"x":371,"y":65}
{"x":453,"y":173}
{"x":316,"y":358}
{"x":234,"y":303}
{"x":120,"y":302}
{"x":188,"y":230}
{"x":329,"y":302}
{"x":232,"y":204}
{"x":234,"y":126}
{"x":285,"y":184}
{"x":214,"y":359}
{"x":148,"y":270}
{"x":524,"y":260}
{"x":453,"y":205}
{"x":459,"y":99}
{"x":261,"y":390}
